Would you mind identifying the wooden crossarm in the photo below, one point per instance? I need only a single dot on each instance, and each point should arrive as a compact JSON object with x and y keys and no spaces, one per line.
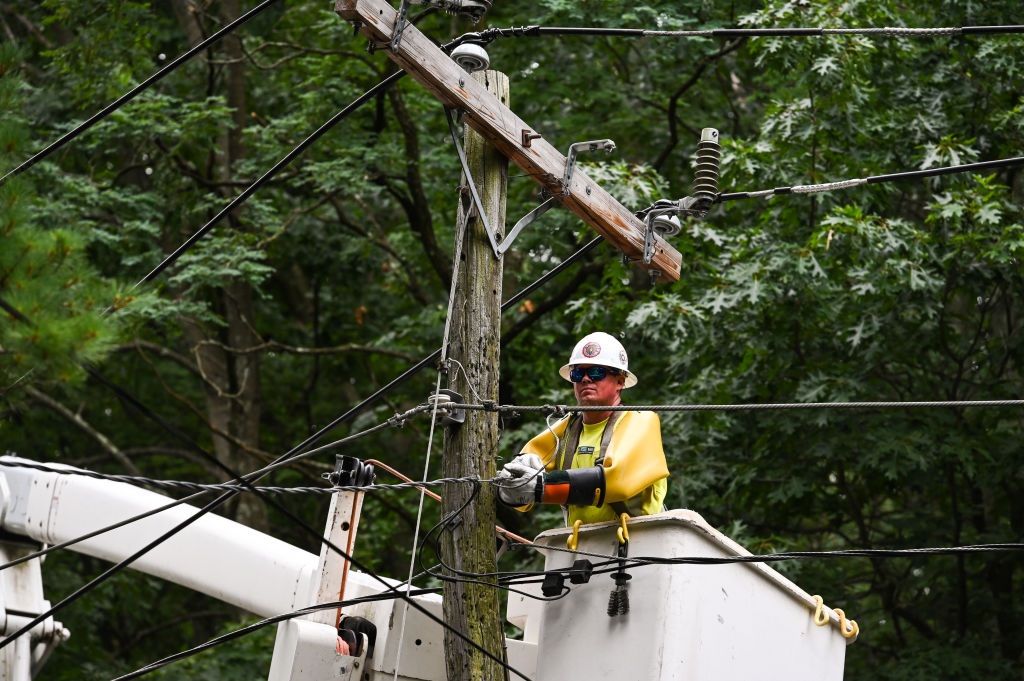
{"x":436,"y":71}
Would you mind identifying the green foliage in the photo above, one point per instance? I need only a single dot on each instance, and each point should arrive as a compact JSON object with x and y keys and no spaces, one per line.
{"x":895,"y":291}
{"x":53,"y":300}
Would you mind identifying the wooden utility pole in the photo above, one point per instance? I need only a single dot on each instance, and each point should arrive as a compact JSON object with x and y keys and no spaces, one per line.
{"x":508,"y":133}
{"x":471,"y":448}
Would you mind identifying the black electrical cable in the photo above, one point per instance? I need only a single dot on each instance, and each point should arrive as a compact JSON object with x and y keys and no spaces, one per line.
{"x":296,"y":520}
{"x":639,"y":561}
{"x":874,"y":179}
{"x":267,"y":176}
{"x":295,"y":451}
{"x":131,"y":94}
{"x":255,"y":626}
{"x":285,"y":160}
{"x":348,"y":415}
{"x":489,"y":35}
{"x":358,"y":564}
{"x":563,"y":409}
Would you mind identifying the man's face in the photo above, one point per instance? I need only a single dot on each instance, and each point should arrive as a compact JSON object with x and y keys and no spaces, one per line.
{"x":602,"y":393}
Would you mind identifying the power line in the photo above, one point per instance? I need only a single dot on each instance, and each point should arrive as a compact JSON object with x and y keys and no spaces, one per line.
{"x":267,"y":176}
{"x":636,"y":561}
{"x":347,"y":416}
{"x":563,"y":409}
{"x":131,"y":94}
{"x":491,"y":34}
{"x":295,"y":452}
{"x":874,"y":179}
{"x":238,"y":633}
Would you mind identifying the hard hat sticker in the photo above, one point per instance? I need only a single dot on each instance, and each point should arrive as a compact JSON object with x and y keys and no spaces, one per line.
{"x":622,"y":357}
{"x":591,"y":349}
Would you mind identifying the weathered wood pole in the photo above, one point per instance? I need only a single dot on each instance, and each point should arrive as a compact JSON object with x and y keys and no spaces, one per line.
{"x":471,"y":448}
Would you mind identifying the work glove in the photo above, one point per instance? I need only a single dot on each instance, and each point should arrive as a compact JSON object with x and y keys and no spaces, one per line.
{"x":521,"y":481}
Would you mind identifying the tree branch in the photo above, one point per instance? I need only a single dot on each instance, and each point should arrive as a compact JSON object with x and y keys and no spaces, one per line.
{"x":84,"y":426}
{"x":673,"y":104}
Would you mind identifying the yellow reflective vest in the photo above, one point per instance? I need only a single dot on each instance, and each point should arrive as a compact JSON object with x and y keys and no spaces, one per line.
{"x":634,"y":466}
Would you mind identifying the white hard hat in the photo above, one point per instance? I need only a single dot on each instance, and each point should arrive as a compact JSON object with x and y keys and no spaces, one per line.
{"x":601,"y":349}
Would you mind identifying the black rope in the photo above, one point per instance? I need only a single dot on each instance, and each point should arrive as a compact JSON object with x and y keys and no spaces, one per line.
{"x":134,"y":92}
{"x":874,"y":179}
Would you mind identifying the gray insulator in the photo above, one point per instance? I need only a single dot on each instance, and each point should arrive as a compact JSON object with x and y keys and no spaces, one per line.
{"x":709,"y":155}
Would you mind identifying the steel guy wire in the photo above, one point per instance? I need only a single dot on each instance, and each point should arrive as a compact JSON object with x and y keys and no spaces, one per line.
{"x":874,"y":179}
{"x":137,"y":90}
{"x":226,"y":486}
{"x":459,"y":236}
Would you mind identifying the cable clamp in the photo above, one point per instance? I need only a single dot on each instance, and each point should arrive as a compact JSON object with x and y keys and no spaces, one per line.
{"x":351,"y":472}
{"x":558,"y":410}
{"x":441,"y":401}
{"x":489,"y":405}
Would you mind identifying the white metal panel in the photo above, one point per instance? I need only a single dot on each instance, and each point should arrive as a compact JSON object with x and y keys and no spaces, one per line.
{"x":305,"y":651}
{"x":421,"y":655}
{"x":333,"y":568}
{"x":693,"y":622}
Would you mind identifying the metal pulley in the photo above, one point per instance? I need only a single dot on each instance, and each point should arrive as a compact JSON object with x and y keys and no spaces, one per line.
{"x":351,"y":472}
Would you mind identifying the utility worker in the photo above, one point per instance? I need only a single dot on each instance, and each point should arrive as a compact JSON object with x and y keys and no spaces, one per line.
{"x":596,"y":464}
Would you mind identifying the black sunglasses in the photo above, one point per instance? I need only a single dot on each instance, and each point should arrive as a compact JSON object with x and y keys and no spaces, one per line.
{"x":595,"y":373}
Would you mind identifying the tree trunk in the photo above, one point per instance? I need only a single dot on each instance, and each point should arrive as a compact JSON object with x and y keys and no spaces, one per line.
{"x":232,"y":386}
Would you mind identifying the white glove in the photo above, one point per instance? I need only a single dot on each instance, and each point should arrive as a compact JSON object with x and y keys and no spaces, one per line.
{"x":521,"y":480}
{"x":524,"y":464}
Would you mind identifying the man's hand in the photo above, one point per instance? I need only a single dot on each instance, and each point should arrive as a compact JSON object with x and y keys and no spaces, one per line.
{"x":521,"y":481}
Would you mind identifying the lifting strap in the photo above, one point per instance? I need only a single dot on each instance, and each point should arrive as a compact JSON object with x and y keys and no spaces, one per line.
{"x":572,"y":443}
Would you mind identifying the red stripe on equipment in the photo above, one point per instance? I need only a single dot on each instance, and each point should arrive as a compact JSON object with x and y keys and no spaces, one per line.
{"x":556,"y":494}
